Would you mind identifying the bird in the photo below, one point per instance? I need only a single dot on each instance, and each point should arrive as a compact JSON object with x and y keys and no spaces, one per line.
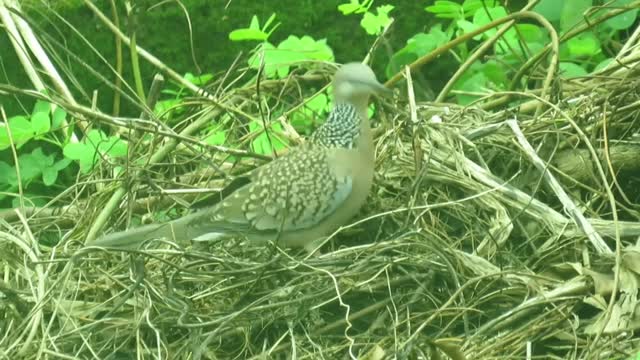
{"x":300,"y":197}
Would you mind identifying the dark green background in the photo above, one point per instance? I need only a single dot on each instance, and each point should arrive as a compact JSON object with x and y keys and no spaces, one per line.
{"x":163,"y":31}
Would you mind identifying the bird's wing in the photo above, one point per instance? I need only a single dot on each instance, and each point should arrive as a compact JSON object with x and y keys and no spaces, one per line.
{"x":293,"y":192}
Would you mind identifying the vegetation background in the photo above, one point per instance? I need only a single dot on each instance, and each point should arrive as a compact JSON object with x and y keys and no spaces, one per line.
{"x":503,"y":222}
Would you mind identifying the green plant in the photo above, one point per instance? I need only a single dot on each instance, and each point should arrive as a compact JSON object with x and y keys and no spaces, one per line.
{"x":35,"y":166}
{"x":95,"y":146}
{"x":276,"y":61}
{"x":303,"y":118}
{"x":168,"y":108}
{"x":254,"y":32}
{"x":372,"y":23}
{"x":579,"y":55}
{"x":589,"y":51}
{"x":26,"y":128}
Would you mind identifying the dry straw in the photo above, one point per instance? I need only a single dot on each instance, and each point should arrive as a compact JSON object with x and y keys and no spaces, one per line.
{"x":492,"y":232}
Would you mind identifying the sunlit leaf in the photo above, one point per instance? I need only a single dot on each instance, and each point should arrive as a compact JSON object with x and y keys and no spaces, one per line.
{"x":446,"y":9}
{"x":571,"y":70}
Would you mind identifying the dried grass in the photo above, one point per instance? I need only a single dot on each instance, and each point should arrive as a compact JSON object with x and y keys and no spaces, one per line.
{"x":490,"y":234}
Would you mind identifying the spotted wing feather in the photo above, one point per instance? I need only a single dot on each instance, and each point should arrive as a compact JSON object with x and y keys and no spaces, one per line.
{"x":293,"y":192}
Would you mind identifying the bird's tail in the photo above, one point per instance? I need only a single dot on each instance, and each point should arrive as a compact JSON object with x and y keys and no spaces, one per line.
{"x":134,"y":238}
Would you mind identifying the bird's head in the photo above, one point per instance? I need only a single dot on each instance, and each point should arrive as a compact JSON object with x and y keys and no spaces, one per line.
{"x":355,"y":82}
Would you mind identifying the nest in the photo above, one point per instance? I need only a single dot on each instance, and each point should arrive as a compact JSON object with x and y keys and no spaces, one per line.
{"x":490,"y":233}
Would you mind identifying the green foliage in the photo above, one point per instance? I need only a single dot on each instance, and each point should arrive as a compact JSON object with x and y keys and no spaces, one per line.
{"x":579,"y":56}
{"x":302,"y":120}
{"x":452,"y":10}
{"x":24,"y":128}
{"x":355,"y":7}
{"x":278,"y":59}
{"x":266,"y":142}
{"x":168,"y":108}
{"x":41,"y":165}
{"x":372,"y":23}
{"x":276,"y":62}
{"x":95,"y":146}
{"x":586,"y":52}
{"x":417,"y":46}
{"x":216,"y":137}
{"x":35,"y":167}
{"x":571,"y":70}
{"x":254,"y":32}
{"x":624,"y":20}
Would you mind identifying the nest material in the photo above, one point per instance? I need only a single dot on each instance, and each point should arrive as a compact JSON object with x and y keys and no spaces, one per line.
{"x":487,"y":235}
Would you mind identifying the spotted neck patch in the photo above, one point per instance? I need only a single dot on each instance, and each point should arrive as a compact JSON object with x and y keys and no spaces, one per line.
{"x":341,"y":130}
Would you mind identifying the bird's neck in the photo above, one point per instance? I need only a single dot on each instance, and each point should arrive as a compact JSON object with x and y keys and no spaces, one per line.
{"x":342,"y":128}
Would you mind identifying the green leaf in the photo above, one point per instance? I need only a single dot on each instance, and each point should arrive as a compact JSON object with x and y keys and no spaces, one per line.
{"x":255,"y":24}
{"x":550,"y":9}
{"x":603,"y":64}
{"x":509,"y":43}
{"x":303,"y":118}
{"x":571,"y":70}
{"x":572,"y":13}
{"x":41,"y":122}
{"x":74,"y":151}
{"x":266,"y":144}
{"x":422,"y":44}
{"x":217,"y":137}
{"x":278,"y":60}
{"x":21,"y":129}
{"x":466,"y":26}
{"x":399,"y":60}
{"x":248,"y":35}
{"x":310,"y":48}
{"x":59,"y":116}
{"x":113,"y":147}
{"x":495,"y":74}
{"x":469,"y":7}
{"x":198,"y":80}
{"x":8,"y":174}
{"x":583,"y":45}
{"x":49,"y":176}
{"x":418,"y":45}
{"x":371,"y":110}
{"x":254,"y":32}
{"x":446,"y":10}
{"x":352,"y":7}
{"x":41,"y":107}
{"x":624,"y":20}
{"x":94,"y":138}
{"x":62,"y":164}
{"x":473,"y":83}
{"x":532,"y":33}
{"x":85,"y":154}
{"x":93,"y":147}
{"x":33,"y":165}
{"x":521,"y":42}
{"x":484,"y":16}
{"x":167,"y":108}
{"x":4,"y":137}
{"x":374,"y":24}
